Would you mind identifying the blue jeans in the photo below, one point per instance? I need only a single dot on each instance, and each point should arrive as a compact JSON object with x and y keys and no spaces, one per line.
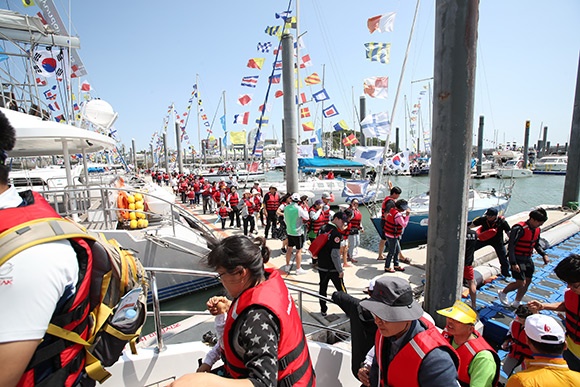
{"x":394,"y":248}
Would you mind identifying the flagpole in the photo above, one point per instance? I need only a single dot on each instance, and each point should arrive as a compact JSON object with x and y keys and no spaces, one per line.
{"x":298,"y":120}
{"x":322,"y":119}
{"x":386,"y":148}
{"x":225,"y":140}
{"x":198,"y":122}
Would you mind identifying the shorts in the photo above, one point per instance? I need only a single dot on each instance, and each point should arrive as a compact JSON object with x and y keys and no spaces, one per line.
{"x":296,"y":241}
{"x":527,"y":268}
{"x":468,"y":273}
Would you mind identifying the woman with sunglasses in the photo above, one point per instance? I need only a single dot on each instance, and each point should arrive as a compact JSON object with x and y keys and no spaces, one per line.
{"x":264,"y":342}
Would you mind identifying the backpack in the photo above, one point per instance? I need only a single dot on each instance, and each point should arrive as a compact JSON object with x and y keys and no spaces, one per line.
{"x":116,"y":273}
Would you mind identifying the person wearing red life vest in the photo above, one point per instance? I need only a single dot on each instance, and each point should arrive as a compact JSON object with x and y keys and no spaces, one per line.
{"x":516,"y":342}
{"x":43,"y":284}
{"x":395,"y":222}
{"x":524,"y":238}
{"x":271,"y":203}
{"x":479,"y":364}
{"x":388,"y":203}
{"x":492,"y":226}
{"x":568,"y":270}
{"x":409,"y":350}
{"x":354,"y":229}
{"x":247,"y":212}
{"x":233,"y":199}
{"x":264,"y":342}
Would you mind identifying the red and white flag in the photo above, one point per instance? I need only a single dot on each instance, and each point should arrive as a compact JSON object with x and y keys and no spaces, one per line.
{"x":382,"y":23}
{"x":245,"y":99}
{"x":243,"y":118}
{"x":376,"y":87}
{"x":85,"y":86}
{"x":306,"y":62}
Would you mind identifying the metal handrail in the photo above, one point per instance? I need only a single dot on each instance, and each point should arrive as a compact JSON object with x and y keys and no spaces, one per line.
{"x":152,"y":271}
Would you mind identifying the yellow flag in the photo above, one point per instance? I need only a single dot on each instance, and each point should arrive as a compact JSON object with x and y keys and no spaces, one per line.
{"x":238,"y":138}
{"x":28,"y":3}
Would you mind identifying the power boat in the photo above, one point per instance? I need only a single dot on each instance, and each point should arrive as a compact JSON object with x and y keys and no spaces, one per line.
{"x":478,"y":203}
{"x":513,"y":169}
{"x":551,"y":165}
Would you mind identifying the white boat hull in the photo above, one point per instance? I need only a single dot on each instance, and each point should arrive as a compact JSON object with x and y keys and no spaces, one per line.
{"x":513,"y":173}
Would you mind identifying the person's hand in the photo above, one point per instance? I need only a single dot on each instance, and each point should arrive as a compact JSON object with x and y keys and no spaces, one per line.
{"x":363,"y":375}
{"x":341,"y":274}
{"x":535,"y":306}
{"x":546,"y":259}
{"x":516,"y":267}
{"x":408,"y":211}
{"x":204,"y":368}
{"x":218,"y":305}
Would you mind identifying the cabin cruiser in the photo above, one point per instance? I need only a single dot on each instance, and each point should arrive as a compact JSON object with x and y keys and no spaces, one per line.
{"x":513,"y":169}
{"x":551,"y":165}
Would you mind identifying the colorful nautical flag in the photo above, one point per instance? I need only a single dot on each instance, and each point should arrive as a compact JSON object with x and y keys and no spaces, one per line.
{"x":238,"y":138}
{"x":278,"y":65}
{"x":242,"y":118}
{"x":304,"y":112}
{"x":263,"y":121}
{"x":245,"y":99}
{"x":312,"y":79}
{"x":259,"y":150}
{"x":85,"y":86}
{"x":291,"y":22}
{"x":278,"y":93}
{"x":320,"y":152}
{"x":350,"y":140}
{"x":59,"y":118}
{"x":306,"y":62}
{"x":376,"y":125}
{"x":378,"y":52}
{"x":340,"y":125}
{"x":256,"y":63}
{"x":48,"y":94}
{"x":313,"y":140}
{"x":76,"y":107}
{"x":265,"y":107}
{"x":330,"y":111}
{"x":308,"y":126}
{"x":355,"y":189}
{"x":376,"y":87}
{"x":276,"y":30}
{"x":301,"y":99}
{"x":320,"y":96}
{"x":28,"y":3}
{"x":382,"y":23}
{"x":264,"y":47}
{"x":40,"y":81}
{"x":250,"y":81}
{"x":275,"y":78}
{"x":54,"y":106}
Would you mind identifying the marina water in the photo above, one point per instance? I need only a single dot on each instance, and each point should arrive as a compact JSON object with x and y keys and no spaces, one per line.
{"x":526,"y":193}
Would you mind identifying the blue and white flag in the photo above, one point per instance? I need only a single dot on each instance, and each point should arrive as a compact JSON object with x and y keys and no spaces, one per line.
{"x":283,"y":15}
{"x":330,"y":111}
{"x":355,"y":189}
{"x":264,"y":47}
{"x":376,"y":126}
{"x":371,"y":156}
{"x":320,"y":96}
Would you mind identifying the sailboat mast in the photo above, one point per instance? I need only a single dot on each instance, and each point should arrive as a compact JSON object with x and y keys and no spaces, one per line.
{"x":299,"y":104}
{"x":225,"y":140}
{"x":198,"y":116}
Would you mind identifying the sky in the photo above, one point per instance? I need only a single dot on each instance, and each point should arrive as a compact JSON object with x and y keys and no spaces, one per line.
{"x":143,"y":56}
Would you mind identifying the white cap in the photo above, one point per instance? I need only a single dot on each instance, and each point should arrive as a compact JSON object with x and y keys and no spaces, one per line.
{"x":295,"y":197}
{"x":254,"y":191}
{"x":544,"y":329}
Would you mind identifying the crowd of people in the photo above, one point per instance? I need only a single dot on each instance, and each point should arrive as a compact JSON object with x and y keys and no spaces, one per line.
{"x":262,"y":340}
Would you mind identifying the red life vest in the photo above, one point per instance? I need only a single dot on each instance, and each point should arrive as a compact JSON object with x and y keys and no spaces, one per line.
{"x":223,"y":212}
{"x":384,"y":211}
{"x":250,"y":206}
{"x":525,"y":245}
{"x":572,"y":304}
{"x":272,"y":201}
{"x":294,"y":364}
{"x":391,"y":227}
{"x":403,"y":370}
{"x":355,"y":222}
{"x":315,"y":224}
{"x":467,"y":352}
{"x":257,"y":203}
{"x":519,"y":348}
{"x":234,"y":199}
{"x":67,"y":358}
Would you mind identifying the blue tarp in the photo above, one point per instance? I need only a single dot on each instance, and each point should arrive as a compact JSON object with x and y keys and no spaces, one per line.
{"x":319,"y":162}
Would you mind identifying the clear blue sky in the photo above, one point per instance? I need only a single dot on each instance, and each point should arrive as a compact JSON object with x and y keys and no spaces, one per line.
{"x":143,"y":55}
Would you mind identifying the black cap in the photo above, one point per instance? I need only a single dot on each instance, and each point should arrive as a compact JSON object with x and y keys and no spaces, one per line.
{"x":490,"y":212}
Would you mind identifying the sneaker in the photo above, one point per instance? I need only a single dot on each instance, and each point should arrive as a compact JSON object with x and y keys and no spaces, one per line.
{"x":503,"y":298}
{"x":323,"y":314}
{"x":515,"y":304}
{"x":283,"y":249}
{"x":300,"y":271}
{"x":285,"y":268}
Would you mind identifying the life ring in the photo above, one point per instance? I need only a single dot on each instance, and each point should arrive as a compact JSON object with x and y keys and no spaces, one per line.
{"x":122,"y":205}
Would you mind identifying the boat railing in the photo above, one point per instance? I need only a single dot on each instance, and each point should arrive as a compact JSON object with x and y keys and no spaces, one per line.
{"x":95,"y":207}
{"x":157,"y":313}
